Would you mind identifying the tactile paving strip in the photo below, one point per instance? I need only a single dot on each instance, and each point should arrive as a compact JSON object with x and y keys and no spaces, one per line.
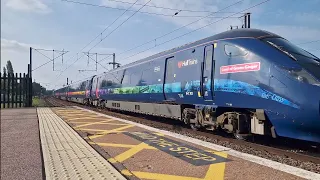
{"x":66,"y":155}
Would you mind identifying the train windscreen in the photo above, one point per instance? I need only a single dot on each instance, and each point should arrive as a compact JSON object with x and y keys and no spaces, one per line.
{"x":305,"y":59}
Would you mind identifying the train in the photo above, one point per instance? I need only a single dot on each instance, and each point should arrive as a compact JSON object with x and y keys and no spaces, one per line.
{"x":246,"y":82}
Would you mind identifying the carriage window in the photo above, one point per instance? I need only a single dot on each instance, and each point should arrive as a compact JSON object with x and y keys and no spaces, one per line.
{"x":170,"y":70}
{"x":135,"y":78}
{"x":233,"y":50}
{"x":208,"y":59}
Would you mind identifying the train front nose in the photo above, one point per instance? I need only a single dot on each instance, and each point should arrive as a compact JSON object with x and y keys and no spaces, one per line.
{"x":314,"y":115}
{"x":306,"y":119}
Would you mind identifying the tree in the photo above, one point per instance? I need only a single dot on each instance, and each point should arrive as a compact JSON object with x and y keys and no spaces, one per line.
{"x":37,"y":89}
{"x":9,"y":67}
{"x":4,"y":71}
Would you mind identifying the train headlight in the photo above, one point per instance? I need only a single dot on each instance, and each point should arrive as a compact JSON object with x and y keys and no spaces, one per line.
{"x":300,"y":75}
{"x":303,"y":76}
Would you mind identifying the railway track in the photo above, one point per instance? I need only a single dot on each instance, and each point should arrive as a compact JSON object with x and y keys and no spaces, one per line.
{"x":283,"y":151}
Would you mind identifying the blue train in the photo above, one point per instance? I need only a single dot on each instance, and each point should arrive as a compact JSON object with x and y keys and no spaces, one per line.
{"x":244,"y":81}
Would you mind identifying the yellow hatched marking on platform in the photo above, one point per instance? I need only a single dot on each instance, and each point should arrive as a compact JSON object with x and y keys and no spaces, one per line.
{"x":156,"y":176}
{"x":82,"y":118}
{"x":88,"y":124}
{"x":101,"y":130}
{"x":80,"y":122}
{"x":120,"y":145}
{"x":73,"y":113}
{"x":129,"y":153}
{"x":82,"y":114}
{"x":116,"y":124}
{"x":70,"y":111}
{"x":101,"y":122}
{"x":216,"y":171}
{"x":111,"y":131}
{"x":159,"y":134}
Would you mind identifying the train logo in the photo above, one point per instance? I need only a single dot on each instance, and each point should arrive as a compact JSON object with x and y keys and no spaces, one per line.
{"x":187,"y":63}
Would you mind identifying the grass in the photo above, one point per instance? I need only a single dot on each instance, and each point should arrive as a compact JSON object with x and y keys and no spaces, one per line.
{"x":38,"y":102}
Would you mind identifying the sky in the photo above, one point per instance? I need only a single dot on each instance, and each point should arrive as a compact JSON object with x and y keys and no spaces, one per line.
{"x":68,"y":26}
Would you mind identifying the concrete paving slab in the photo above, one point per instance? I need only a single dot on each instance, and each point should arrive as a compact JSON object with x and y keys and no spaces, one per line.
{"x":20,"y":145}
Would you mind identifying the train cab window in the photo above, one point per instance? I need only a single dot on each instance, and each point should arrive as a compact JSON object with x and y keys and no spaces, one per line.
{"x":233,"y":50}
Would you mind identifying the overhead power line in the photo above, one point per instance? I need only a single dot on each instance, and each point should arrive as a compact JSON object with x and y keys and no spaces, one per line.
{"x":196,"y":29}
{"x":108,"y":35}
{"x":154,"y":39}
{"x":63,"y":52}
{"x":168,"y":8}
{"x":92,"y":41}
{"x":151,"y":13}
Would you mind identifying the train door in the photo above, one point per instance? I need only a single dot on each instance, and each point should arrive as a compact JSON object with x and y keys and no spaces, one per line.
{"x":170,"y":86}
{"x":97,"y":88}
{"x":208,"y":69}
{"x":94,"y":88}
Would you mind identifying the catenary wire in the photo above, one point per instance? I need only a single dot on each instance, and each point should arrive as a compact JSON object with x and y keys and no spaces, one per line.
{"x":48,"y":58}
{"x":111,"y":33}
{"x":92,"y":41}
{"x":174,"y":30}
{"x":199,"y":28}
{"x":161,"y":7}
{"x":116,"y":29}
{"x":195,"y":30}
{"x":144,"y":12}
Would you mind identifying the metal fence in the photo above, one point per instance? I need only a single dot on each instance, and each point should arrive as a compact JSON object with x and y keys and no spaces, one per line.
{"x":16,"y":90}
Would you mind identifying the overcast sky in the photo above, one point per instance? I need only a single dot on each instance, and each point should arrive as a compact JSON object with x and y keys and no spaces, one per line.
{"x":56,"y":24}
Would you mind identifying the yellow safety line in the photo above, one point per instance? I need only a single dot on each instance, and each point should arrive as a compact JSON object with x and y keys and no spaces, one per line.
{"x":158,"y":133}
{"x":76,"y":122}
{"x":127,"y":154}
{"x":79,"y":121}
{"x":120,"y":145}
{"x":111,"y":131}
{"x":88,"y":124}
{"x":75,"y":114}
{"x":70,"y":113}
{"x":156,"y":176}
{"x":101,"y":130}
{"x":118,"y":124}
{"x":83,"y":118}
{"x":216,"y":171}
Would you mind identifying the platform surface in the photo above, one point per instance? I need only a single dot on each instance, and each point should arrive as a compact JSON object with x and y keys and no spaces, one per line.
{"x":146,"y":153}
{"x":20,"y":144}
{"x":67,"y":155}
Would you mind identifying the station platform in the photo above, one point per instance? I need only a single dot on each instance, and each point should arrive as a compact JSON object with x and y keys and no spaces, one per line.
{"x":142,"y":152}
{"x":21,"y":156}
{"x":76,"y":143}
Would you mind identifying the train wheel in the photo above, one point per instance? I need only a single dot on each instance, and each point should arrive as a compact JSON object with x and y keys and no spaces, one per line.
{"x":194,"y":127}
{"x":242,"y":137}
